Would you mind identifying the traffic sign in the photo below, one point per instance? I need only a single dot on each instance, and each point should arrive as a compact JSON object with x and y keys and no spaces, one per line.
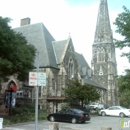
{"x":41,"y":79}
{"x":37,"y":78}
{"x":32,"y":78}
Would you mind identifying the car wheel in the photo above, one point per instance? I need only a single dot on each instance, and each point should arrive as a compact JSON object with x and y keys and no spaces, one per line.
{"x":52,"y":119}
{"x":103,"y":113}
{"x":73,"y":120}
{"x":122,"y":115}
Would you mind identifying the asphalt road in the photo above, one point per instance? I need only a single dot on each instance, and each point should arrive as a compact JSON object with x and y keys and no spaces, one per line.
{"x":96,"y":123}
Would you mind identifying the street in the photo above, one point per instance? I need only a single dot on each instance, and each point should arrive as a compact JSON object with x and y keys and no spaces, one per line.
{"x":95,"y":123}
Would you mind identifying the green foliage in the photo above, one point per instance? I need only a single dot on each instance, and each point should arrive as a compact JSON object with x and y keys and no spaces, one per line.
{"x":64,"y":105}
{"x":84,"y":93}
{"x":124,"y":88}
{"x":16,"y":56}
{"x":124,"y":98}
{"x":25,"y":114}
{"x":123,"y":27}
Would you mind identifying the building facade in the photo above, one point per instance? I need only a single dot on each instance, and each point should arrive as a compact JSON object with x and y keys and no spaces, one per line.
{"x":62,"y":64}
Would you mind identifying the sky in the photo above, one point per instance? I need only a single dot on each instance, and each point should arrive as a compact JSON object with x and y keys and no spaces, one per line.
{"x":67,"y":17}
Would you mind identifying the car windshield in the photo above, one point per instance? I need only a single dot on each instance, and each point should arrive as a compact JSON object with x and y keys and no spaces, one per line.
{"x":78,"y":111}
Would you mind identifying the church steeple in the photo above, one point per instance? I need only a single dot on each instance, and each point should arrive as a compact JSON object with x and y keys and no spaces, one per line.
{"x":103,"y":33}
{"x":104,"y":67}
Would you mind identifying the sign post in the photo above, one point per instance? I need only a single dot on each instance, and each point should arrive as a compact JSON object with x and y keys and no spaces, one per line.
{"x":37,"y":89}
{"x":37,"y":79}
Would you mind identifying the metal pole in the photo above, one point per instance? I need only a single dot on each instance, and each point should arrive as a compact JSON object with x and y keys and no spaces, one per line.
{"x":37,"y":88}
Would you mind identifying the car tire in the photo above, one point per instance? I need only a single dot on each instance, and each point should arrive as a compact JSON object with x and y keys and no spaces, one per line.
{"x":74,"y":121}
{"x":103,"y":113}
{"x":122,"y":114}
{"x":52,"y":119}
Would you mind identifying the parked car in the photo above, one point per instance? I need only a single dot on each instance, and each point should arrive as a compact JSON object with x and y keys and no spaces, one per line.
{"x":72,"y":115}
{"x":96,"y":106}
{"x":115,"y":111}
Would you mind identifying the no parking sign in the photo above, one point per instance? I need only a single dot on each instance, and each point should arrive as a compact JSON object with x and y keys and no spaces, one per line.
{"x":37,"y":78}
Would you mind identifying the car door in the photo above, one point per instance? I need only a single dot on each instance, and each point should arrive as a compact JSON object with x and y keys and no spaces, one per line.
{"x":61,"y":115}
{"x":68,"y":115}
{"x":111,"y":111}
{"x":117,"y":111}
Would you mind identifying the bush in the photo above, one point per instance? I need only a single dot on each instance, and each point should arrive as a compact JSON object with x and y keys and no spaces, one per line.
{"x":24,"y":114}
{"x":64,"y":105}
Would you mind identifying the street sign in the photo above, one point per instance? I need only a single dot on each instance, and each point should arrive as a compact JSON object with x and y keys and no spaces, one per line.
{"x":35,"y":78}
{"x":32,"y":78}
{"x":41,"y":79}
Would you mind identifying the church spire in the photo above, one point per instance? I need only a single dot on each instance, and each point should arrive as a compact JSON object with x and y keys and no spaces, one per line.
{"x":103,"y":33}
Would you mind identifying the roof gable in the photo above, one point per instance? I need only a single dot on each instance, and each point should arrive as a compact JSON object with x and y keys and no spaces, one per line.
{"x":59,"y":47}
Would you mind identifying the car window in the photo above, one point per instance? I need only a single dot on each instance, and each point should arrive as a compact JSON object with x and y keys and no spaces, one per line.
{"x":117,"y":108}
{"x":69,"y":112}
{"x":78,"y":111}
{"x":123,"y":107}
{"x":111,"y":108}
{"x":62,"y":111}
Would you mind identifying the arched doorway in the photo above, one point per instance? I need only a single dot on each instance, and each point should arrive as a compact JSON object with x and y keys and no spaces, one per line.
{"x":10,"y":95}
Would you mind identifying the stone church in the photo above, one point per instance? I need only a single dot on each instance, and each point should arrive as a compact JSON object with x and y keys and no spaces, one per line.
{"x":61,"y":63}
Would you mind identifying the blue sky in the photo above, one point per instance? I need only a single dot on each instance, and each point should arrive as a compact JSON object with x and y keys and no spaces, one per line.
{"x":61,"y":17}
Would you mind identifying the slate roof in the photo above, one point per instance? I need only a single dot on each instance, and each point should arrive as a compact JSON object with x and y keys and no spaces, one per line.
{"x":82,"y":60}
{"x":40,"y":37}
{"x":83,"y":65}
{"x":90,"y":82}
{"x":84,"y":70}
{"x":59,"y":48}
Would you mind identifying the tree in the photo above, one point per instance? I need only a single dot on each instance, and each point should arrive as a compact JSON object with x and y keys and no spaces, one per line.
{"x":16,"y":56}
{"x":83,"y":93}
{"x":124,"y":89}
{"x":123,"y":27}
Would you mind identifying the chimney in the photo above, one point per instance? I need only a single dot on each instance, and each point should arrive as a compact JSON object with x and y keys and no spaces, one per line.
{"x":25,"y":21}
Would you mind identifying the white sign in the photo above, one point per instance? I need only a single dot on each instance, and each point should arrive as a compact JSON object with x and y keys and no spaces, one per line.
{"x":41,"y":79}
{"x":33,"y":79}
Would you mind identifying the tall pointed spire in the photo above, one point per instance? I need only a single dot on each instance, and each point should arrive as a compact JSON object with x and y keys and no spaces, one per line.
{"x":103,"y":33}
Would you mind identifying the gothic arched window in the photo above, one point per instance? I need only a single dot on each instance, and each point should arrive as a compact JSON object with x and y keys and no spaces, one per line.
{"x":71,"y":68}
{"x":100,"y":54}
